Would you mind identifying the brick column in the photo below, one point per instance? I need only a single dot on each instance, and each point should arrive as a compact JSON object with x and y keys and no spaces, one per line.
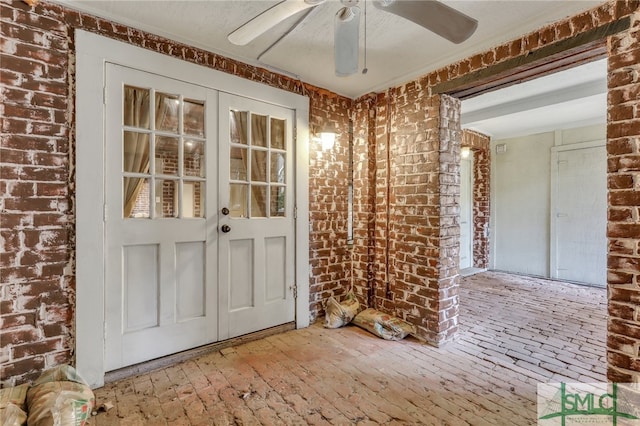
{"x":480,"y":145}
{"x":417,"y":156}
{"x":623,"y":230}
{"x":450,"y":135}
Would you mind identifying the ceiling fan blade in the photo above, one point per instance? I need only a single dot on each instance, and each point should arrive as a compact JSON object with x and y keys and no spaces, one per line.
{"x":268,"y":19}
{"x":346,"y":42}
{"x":437,"y":17}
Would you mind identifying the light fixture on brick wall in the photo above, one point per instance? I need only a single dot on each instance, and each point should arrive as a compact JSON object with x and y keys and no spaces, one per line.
{"x":327,"y":136}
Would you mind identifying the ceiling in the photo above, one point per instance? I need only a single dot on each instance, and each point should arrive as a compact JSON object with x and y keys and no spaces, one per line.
{"x":572,"y":98}
{"x":397,"y":50}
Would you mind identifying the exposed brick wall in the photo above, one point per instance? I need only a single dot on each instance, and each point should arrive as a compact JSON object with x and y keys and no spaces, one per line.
{"x":450,"y":138}
{"x":329,"y":256}
{"x":364,"y":199}
{"x":398,"y":148}
{"x":479,"y":144}
{"x":398,"y":113}
{"x":37,"y":287}
{"x":623,"y":230}
{"x":407,"y":207}
{"x":37,"y":282}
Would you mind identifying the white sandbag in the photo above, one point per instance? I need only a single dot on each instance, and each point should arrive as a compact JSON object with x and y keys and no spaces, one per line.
{"x":340,"y":314}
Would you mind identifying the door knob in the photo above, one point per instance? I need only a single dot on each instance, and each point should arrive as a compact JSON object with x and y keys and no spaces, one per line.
{"x":225,"y":228}
{"x":225,"y":211}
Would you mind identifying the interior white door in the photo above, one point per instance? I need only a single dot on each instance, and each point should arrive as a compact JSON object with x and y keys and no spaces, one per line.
{"x":581,"y":216}
{"x":257,"y":216}
{"x":161,"y":277}
{"x":466,"y":212}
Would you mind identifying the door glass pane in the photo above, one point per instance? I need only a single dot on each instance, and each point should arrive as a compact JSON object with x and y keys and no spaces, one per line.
{"x":277,"y":201}
{"x":193,"y":199}
{"x":277,"y":133}
{"x":258,"y":201}
{"x":135,"y":152}
{"x":277,"y":167}
{"x":136,"y":107}
{"x":193,"y":117}
{"x":194,"y":158}
{"x":238,"y":165}
{"x":238,"y":127}
{"x":258,"y":166}
{"x":135,"y":197}
{"x":167,"y":155}
{"x":166,"y":198}
{"x":258,"y":130}
{"x":167,"y":119}
{"x":238,"y":200}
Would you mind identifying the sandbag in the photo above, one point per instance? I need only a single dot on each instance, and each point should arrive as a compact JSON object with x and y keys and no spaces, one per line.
{"x":61,"y":373}
{"x":59,"y":397}
{"x":12,"y":415}
{"x":383,"y":325}
{"x":13,"y":403}
{"x":340,"y":314}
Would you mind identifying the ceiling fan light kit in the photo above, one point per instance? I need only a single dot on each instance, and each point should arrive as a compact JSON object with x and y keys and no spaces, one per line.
{"x":437,"y":17}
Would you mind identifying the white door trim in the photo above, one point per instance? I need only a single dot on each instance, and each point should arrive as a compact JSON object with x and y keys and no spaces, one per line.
{"x":553,"y":247}
{"x":92,"y":54}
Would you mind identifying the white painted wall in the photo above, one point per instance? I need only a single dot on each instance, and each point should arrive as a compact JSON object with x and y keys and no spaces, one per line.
{"x":520,"y":198}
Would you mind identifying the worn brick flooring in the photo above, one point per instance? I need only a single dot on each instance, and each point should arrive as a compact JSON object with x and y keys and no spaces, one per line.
{"x":514,"y":333}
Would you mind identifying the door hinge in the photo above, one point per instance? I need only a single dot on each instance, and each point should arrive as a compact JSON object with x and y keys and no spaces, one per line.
{"x":104,"y":95}
{"x":294,"y":289}
{"x":295,"y":212}
{"x":104,"y":212}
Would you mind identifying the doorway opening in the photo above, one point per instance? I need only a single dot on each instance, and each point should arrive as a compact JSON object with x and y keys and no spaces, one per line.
{"x":548,"y":174}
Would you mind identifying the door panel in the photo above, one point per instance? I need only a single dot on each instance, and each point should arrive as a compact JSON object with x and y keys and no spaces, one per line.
{"x":241,"y":274}
{"x":256,"y":185}
{"x":140,"y":287}
{"x":191,"y":283}
{"x":275,"y":251}
{"x":161,"y":238}
{"x":581,"y":216}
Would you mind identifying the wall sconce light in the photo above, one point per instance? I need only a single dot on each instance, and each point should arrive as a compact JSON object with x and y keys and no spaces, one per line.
{"x":465,"y":152}
{"x":327,"y":137}
{"x":328,"y":140}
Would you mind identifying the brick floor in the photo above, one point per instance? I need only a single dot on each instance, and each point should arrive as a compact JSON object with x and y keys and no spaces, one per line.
{"x":514,"y":333}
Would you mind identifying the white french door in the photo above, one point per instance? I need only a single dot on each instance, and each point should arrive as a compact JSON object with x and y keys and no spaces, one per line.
{"x":257,"y":239}
{"x":148,"y":276}
{"x":161,"y":267}
{"x":199,"y":218}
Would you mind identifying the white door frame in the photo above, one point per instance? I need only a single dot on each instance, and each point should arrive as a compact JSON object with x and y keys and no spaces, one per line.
{"x":469,"y":201}
{"x":92,"y":54}
{"x":553,"y":234}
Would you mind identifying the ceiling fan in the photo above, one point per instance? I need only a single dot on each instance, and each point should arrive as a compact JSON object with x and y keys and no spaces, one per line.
{"x":437,"y":17}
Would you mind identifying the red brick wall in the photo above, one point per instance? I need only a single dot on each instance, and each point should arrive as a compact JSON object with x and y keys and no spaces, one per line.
{"x":408,"y":126}
{"x":479,"y":144}
{"x":329,"y":255}
{"x":364,"y":199}
{"x":411,"y":276}
{"x":623,"y":230}
{"x":406,"y":144}
{"x":37,"y":282}
{"x":36,"y":182}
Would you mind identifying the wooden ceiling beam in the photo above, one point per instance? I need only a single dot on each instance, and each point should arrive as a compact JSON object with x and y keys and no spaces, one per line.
{"x":585,"y":47}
